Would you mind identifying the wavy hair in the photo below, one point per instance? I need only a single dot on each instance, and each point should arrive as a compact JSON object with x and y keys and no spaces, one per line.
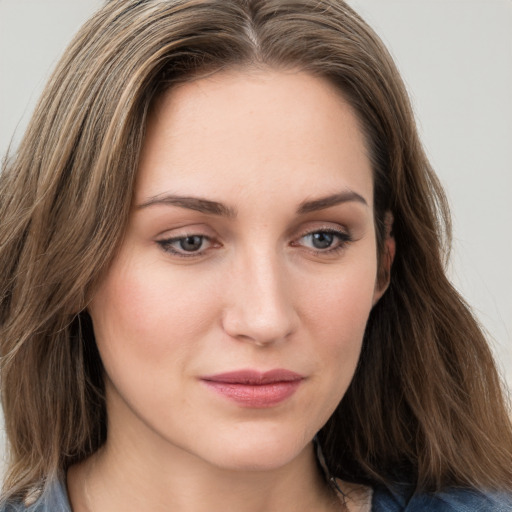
{"x":426,"y":399}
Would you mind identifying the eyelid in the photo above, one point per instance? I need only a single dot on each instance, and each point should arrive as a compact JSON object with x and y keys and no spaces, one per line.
{"x":184,"y":229}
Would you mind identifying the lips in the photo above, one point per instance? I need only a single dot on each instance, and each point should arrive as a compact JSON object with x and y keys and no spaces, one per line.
{"x":254,"y":389}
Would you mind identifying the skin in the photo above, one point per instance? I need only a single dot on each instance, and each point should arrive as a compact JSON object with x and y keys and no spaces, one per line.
{"x":252,"y":290}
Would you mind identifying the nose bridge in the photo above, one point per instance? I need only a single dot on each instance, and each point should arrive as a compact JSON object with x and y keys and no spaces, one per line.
{"x":260,"y":308}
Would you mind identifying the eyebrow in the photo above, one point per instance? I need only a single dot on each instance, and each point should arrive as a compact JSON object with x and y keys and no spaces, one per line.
{"x":191,"y":203}
{"x":215,"y":208}
{"x":332,"y":200}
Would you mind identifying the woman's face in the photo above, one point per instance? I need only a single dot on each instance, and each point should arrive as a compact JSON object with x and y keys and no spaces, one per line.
{"x":230,"y":322}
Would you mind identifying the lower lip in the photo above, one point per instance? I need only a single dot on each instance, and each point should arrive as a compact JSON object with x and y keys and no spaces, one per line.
{"x":253,"y":395}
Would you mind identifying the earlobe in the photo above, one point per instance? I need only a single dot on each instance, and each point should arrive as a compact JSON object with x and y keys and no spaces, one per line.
{"x":386,"y":260}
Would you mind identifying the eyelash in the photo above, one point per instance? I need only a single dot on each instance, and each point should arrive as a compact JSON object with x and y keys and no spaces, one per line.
{"x":343,"y":240}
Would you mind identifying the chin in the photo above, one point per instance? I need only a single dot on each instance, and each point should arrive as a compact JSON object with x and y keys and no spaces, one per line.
{"x":258,"y":452}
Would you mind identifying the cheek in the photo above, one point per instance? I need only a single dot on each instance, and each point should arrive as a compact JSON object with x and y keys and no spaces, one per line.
{"x":335,"y":312}
{"x":340,"y":324}
{"x":339,"y":304}
{"x":143,"y":316}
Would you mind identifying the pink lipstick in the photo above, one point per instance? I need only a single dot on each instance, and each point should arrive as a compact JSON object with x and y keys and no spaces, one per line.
{"x":250,"y":388}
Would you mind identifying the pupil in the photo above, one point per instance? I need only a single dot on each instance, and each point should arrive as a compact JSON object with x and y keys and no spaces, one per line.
{"x":191,"y":243}
{"x":322,"y":240}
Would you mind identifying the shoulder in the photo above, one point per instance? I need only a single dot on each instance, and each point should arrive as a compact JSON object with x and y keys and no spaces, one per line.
{"x":53,"y":498}
{"x":450,"y":500}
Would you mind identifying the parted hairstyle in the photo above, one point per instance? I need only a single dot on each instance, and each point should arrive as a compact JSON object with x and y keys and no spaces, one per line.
{"x":426,"y":400}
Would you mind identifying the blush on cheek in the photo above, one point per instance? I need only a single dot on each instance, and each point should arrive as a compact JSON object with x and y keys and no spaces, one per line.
{"x":338,"y":314}
{"x":345,"y":303}
{"x":149,"y":310}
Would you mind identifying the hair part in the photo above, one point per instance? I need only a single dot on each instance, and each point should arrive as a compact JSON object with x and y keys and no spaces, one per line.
{"x":426,"y":398}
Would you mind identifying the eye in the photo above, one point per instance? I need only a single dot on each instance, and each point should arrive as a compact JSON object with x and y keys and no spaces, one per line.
{"x":189,"y":245}
{"x":324,"y":240}
{"x":321,"y":239}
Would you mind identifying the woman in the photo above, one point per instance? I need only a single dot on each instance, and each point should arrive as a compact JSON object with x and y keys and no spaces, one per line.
{"x":223,"y":281}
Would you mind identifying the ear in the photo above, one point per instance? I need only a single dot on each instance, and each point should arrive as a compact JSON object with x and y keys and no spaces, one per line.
{"x":386,"y":259}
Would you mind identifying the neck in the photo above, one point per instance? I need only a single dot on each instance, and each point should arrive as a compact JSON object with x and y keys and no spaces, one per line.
{"x":108,"y":481}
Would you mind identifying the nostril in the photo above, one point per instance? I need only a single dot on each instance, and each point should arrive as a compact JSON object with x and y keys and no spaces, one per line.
{"x":262,"y":328}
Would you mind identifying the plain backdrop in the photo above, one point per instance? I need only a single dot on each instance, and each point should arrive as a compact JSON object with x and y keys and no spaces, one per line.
{"x":456,"y":59}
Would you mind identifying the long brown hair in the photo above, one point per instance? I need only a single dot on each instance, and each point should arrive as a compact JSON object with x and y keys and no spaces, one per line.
{"x":425,"y":400}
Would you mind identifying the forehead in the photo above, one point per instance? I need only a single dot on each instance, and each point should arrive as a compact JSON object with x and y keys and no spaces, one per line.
{"x":283,"y":130}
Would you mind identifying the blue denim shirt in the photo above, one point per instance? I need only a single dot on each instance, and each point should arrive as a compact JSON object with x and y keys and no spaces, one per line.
{"x":450,"y":500}
{"x":55,"y":499}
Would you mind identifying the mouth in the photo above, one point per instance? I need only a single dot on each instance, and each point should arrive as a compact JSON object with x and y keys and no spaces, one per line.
{"x":254,"y":389}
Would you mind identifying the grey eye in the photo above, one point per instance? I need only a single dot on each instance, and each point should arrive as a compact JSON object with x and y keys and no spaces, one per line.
{"x":325,"y":241}
{"x":322,"y":239}
{"x":191,"y":243}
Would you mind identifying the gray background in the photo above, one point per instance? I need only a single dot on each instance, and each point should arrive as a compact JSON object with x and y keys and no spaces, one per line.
{"x":456,"y":59}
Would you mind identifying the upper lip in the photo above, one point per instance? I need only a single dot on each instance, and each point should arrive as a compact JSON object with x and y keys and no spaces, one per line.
{"x":255,"y":377}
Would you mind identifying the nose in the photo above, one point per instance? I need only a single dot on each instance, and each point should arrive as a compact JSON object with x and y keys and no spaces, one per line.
{"x":259,"y":309}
